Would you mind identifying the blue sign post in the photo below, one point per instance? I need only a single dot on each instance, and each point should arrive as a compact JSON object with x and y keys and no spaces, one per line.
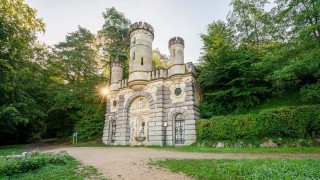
{"x":75,"y":137}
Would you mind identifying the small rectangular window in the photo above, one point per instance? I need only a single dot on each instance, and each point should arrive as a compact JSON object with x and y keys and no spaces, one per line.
{"x":141,"y":61}
{"x":134,"y":56}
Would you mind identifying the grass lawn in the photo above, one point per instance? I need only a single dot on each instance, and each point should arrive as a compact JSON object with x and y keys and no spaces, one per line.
{"x":239,"y":150}
{"x":245,"y":168}
{"x":43,"y":166}
{"x":219,"y":150}
{"x":10,"y":150}
{"x":72,"y":170}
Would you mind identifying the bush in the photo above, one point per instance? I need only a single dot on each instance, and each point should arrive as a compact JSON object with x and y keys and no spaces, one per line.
{"x":34,"y":161}
{"x":288,"y":122}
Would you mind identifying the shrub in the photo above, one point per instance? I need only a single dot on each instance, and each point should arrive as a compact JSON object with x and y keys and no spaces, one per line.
{"x":34,"y":161}
{"x":288,"y":122}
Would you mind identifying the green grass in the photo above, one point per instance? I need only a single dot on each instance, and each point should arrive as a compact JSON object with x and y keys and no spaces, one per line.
{"x":46,"y":166}
{"x":10,"y":150}
{"x":239,"y":150}
{"x":69,"y":171}
{"x":245,"y":168}
{"x":220,"y":150}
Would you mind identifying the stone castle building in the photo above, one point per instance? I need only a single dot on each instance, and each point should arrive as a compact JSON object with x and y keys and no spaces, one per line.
{"x":152,"y":107}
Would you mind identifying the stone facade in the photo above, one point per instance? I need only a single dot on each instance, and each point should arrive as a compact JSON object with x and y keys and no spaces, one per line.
{"x":152,"y":107}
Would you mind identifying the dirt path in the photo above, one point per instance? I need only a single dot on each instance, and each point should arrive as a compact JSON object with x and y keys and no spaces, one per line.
{"x":132,"y":162}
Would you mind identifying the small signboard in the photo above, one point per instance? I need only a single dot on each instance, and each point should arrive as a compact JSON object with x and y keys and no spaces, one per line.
{"x":75,"y":137}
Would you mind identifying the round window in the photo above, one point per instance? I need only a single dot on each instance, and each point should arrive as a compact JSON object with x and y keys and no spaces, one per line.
{"x":114,"y":103}
{"x":178,"y":91}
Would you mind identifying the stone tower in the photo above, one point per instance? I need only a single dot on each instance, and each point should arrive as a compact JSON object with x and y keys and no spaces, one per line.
{"x":116,"y":74}
{"x":176,"y":48}
{"x":152,"y":106}
{"x":140,"y":65}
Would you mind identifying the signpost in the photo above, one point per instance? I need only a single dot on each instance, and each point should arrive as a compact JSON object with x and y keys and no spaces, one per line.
{"x":75,"y":137}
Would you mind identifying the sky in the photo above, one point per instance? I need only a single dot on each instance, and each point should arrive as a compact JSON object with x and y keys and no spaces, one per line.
{"x":169,"y":18}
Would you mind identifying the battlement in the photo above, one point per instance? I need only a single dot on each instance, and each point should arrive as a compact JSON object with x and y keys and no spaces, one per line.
{"x":176,"y":40}
{"x":117,"y":64}
{"x":141,"y":25}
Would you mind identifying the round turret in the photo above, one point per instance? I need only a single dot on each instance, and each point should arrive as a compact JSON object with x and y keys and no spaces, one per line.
{"x":116,"y":75}
{"x":116,"y":71}
{"x":141,"y":25}
{"x":176,"y":48}
{"x":176,"y":40}
{"x":140,"y":64}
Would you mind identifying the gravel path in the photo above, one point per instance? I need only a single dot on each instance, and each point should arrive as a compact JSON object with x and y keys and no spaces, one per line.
{"x":132,"y":162}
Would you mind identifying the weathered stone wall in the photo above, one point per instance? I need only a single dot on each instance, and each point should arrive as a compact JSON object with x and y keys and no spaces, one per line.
{"x":164,"y":106}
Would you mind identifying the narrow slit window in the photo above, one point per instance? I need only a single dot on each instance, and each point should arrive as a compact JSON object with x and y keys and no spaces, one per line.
{"x":174,"y":52}
{"x":133,"y":56}
{"x":141,"y":61}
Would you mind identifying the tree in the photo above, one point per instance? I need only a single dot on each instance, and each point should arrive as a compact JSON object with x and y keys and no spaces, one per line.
{"x":73,"y":99}
{"x":299,"y":18}
{"x":159,"y":60}
{"x":78,"y":56}
{"x":228,"y":75}
{"x":296,"y":61}
{"x":250,"y":23}
{"x":114,"y":38}
{"x":20,"y":116}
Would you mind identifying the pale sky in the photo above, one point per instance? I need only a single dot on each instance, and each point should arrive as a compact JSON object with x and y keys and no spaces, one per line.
{"x":185,"y":18}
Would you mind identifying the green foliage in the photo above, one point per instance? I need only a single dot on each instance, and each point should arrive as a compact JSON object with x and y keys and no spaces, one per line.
{"x":53,"y":91}
{"x":229,"y":77}
{"x":257,"y":52}
{"x":279,"y":100}
{"x":37,"y":160}
{"x":287,"y":122}
{"x":48,"y":165}
{"x":114,"y":38}
{"x":21,"y":116}
{"x":73,"y":97}
{"x":310,"y":93}
{"x":159,"y":60}
{"x":245,"y":168}
{"x":251,"y":23}
{"x":114,"y":34}
{"x":90,"y":127}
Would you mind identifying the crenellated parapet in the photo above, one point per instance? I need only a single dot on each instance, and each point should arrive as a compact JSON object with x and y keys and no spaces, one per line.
{"x":176,"y":40}
{"x":116,"y":64}
{"x":141,"y":25}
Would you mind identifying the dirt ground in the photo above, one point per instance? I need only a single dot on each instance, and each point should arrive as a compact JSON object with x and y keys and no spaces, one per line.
{"x":132,"y":162}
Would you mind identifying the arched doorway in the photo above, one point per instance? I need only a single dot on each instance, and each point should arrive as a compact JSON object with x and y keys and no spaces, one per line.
{"x":139,"y":112}
{"x":179,"y":124}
